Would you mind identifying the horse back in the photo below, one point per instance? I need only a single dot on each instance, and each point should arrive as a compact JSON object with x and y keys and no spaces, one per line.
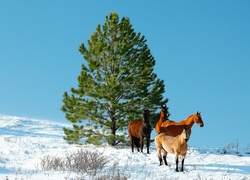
{"x":173,"y":130}
{"x":165,"y":141}
{"x":168,"y":122}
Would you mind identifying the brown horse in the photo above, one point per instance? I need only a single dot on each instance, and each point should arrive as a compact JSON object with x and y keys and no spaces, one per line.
{"x":137,"y":130}
{"x":162,"y":119}
{"x":175,"y":128}
{"x":174,"y":145}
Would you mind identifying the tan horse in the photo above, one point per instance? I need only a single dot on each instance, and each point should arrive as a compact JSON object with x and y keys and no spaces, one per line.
{"x":162,"y":119}
{"x":175,"y":128}
{"x":137,"y":130}
{"x":174,"y":145}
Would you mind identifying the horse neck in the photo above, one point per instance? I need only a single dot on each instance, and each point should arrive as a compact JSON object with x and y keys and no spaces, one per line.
{"x":181,"y":139}
{"x":189,"y":121}
{"x":147,"y":124}
{"x":145,"y":120}
{"x":162,"y":115}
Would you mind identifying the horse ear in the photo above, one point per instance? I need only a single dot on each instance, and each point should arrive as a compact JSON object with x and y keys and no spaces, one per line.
{"x":163,"y":107}
{"x":145,"y":110}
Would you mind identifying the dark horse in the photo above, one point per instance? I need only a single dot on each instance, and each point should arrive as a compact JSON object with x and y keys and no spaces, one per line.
{"x":137,"y":130}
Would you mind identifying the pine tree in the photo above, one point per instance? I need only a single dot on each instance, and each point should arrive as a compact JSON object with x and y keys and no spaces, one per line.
{"x":116,"y":82}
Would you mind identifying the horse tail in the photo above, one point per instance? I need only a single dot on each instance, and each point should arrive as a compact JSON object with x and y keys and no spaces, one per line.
{"x":158,"y":126}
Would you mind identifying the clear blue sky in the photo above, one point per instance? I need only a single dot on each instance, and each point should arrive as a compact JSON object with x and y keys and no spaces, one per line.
{"x":202,"y":52}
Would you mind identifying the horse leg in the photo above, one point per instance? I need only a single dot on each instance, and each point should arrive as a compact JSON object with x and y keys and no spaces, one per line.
{"x":141,"y":143}
{"x":158,"y":146}
{"x":148,"y":143}
{"x":182,"y":163}
{"x":160,"y":160}
{"x":159,"y":155}
{"x":138,"y":144}
{"x":176,"y":161}
{"x":132,"y":142}
{"x":165,"y":157}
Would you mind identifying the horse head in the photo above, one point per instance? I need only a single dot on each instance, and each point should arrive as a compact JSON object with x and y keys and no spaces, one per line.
{"x":198,"y":119}
{"x":186,"y":133}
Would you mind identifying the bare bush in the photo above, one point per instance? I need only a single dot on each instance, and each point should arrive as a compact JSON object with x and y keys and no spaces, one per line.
{"x":247,"y":150}
{"x":231,"y":148}
{"x":84,"y":163}
{"x":50,"y":163}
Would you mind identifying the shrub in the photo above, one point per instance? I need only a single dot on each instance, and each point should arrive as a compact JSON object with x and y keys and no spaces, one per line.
{"x":84,"y":163}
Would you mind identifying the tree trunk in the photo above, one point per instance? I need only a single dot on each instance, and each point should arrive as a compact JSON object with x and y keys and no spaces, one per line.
{"x":113,"y":130}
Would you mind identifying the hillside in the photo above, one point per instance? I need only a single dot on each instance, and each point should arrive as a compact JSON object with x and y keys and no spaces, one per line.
{"x":26,"y":142}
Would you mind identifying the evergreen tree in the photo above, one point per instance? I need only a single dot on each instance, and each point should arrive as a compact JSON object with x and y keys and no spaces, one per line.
{"x":116,"y":82}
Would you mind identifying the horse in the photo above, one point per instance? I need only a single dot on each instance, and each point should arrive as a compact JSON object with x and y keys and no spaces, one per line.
{"x":175,"y":128}
{"x":137,"y":130}
{"x":162,"y":119}
{"x":174,"y":145}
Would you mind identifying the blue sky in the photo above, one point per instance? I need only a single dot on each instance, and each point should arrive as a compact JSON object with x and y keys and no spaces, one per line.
{"x":202,"y":52}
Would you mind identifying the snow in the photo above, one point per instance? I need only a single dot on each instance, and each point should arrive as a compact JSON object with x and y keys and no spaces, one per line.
{"x":24,"y":142}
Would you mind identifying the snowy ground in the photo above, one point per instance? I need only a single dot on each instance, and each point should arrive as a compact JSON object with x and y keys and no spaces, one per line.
{"x":24,"y":142}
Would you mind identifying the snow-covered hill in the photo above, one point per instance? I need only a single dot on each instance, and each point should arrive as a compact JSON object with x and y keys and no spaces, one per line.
{"x":25,"y":142}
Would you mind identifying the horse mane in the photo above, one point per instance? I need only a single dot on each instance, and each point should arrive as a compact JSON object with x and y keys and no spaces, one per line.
{"x":190,"y":116}
{"x":161,"y":119}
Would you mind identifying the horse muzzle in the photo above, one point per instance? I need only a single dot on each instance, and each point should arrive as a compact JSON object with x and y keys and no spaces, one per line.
{"x":186,"y":140}
{"x":201,"y":125}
